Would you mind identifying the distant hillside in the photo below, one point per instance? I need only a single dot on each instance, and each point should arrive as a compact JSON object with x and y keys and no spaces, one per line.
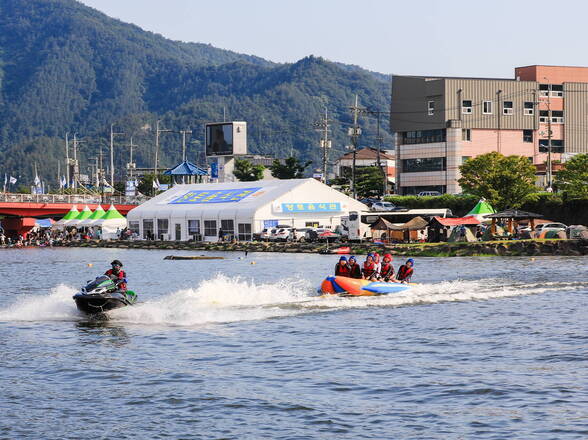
{"x":65,"y":67}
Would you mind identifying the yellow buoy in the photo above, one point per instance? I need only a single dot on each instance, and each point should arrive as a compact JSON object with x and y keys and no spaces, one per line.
{"x":253,"y":262}
{"x":90,"y":264}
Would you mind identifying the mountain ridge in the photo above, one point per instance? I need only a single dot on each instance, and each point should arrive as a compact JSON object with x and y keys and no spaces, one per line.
{"x":66,"y":67}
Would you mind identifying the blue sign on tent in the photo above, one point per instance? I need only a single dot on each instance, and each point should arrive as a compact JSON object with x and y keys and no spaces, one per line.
{"x":270,"y":224}
{"x":214,"y":196}
{"x":214,"y":170}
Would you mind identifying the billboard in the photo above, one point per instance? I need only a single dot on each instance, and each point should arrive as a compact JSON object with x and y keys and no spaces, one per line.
{"x":226,"y":138}
{"x":214,"y":196}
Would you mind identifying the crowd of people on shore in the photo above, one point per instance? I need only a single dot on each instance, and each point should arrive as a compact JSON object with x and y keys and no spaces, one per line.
{"x":47,"y":237}
{"x":374,"y":269}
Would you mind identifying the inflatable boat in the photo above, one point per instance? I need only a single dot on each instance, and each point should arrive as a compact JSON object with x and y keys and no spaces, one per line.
{"x":343,"y":286}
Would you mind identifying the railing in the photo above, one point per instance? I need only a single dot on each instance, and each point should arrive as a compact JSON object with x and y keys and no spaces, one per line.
{"x":70,"y":198}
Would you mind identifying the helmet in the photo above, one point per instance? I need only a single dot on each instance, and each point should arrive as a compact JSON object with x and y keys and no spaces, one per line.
{"x":117,"y":263}
{"x":410,"y":260}
{"x":352,"y":258}
{"x":389,"y":256}
{"x":343,"y":258}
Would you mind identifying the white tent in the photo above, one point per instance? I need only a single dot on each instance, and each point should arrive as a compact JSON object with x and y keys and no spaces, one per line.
{"x":240,"y":208}
{"x":111,"y":223}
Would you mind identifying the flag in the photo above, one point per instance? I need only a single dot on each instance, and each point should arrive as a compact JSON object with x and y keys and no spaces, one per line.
{"x":12,"y":180}
{"x":37,"y":180}
{"x":63,"y":182}
{"x":5,"y":181}
{"x":156,"y":184}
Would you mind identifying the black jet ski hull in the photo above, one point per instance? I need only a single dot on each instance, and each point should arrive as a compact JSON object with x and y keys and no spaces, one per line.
{"x":98,"y":304}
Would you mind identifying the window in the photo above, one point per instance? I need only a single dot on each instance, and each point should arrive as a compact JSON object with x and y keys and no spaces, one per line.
{"x":543,"y":116}
{"x":134,"y":227}
{"x":316,"y":224}
{"x":228,"y":227}
{"x":556,"y":90}
{"x":507,"y":108}
{"x":414,"y":190}
{"x":210,"y":228}
{"x":529,"y":108}
{"x":423,"y":164}
{"x":466,"y":134}
{"x":431,"y":108}
{"x":464,"y":159}
{"x":466,"y":107}
{"x":423,"y":136}
{"x":487,"y":107}
{"x":244,"y":231}
{"x":557,"y":145}
{"x":193,"y":227}
{"x":148,"y":229}
{"x":162,"y":227}
{"x":527,"y":135}
{"x":553,"y":90}
{"x":557,"y":117}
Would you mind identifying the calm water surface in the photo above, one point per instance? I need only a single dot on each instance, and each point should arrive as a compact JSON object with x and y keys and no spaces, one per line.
{"x":483,"y":348}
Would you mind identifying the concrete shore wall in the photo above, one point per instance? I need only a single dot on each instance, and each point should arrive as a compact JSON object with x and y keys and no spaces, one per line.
{"x":501,"y":248}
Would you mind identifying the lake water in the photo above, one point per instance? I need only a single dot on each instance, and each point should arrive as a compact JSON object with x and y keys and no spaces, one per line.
{"x":483,"y":348}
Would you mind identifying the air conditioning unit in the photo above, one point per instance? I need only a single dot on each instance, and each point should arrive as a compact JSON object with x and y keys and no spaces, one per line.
{"x":508,"y":111}
{"x":466,"y":110}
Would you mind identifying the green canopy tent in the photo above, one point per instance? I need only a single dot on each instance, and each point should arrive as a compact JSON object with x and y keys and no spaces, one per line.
{"x":111,"y":222}
{"x":481,"y":209}
{"x":71,"y":214}
{"x":83,"y":215}
{"x":96,"y":215}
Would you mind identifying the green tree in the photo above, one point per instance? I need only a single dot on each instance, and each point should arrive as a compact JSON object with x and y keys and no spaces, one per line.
{"x":292,"y":168}
{"x":146,"y":183}
{"x":245,"y":171}
{"x":504,"y":181}
{"x":368,"y":181}
{"x":573,"y":179}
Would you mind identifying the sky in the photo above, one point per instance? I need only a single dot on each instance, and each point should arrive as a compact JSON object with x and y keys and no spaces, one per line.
{"x":415,"y":37}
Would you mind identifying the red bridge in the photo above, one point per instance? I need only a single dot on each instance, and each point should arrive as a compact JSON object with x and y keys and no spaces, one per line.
{"x":57,"y":205}
{"x":21,"y":208}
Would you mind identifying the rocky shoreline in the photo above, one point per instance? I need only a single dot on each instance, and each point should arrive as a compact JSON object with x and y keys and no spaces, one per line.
{"x":488,"y":248}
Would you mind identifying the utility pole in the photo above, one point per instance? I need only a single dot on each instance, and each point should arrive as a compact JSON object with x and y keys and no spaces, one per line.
{"x":549,"y":134}
{"x":325,"y":143}
{"x":184,"y":133}
{"x":112,"y":134}
{"x":67,"y":158}
{"x":380,"y":139}
{"x":75,"y":160}
{"x":354,"y":133}
{"x":157,"y":131}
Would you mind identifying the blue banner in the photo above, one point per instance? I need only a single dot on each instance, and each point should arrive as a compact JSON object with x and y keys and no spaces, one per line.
{"x":214,"y":196}
{"x":270,"y":224}
{"x":311,"y":207}
{"x":214,"y":170}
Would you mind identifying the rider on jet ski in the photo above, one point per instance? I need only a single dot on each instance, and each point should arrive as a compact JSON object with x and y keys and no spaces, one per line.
{"x":118,"y":275}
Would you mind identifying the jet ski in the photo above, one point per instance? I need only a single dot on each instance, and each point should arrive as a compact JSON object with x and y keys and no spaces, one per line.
{"x":101,"y":295}
{"x":344,"y":286}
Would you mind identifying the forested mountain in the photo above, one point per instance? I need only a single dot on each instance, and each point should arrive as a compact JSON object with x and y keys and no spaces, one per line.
{"x":65,"y":67}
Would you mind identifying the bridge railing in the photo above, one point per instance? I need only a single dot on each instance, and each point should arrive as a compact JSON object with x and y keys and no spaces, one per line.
{"x":70,"y":198}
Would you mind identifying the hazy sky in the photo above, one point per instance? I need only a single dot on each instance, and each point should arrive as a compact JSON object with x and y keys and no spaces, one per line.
{"x":451,"y":37}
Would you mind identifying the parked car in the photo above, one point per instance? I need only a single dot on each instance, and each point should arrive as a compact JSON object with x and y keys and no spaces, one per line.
{"x":281,"y":234}
{"x":545,"y":227}
{"x":387,"y":206}
{"x":429,"y":193}
{"x":369,"y":201}
{"x":300,"y":234}
{"x":264,"y":235}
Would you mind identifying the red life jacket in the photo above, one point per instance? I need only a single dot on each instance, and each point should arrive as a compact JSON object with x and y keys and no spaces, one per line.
{"x":387,"y":270}
{"x":369,"y":269}
{"x":120,"y":276}
{"x":343,"y":271}
{"x":354,"y":271}
{"x":404,"y":273}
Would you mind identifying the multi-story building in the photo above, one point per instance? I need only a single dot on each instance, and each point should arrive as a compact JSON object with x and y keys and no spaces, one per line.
{"x":440,"y":122}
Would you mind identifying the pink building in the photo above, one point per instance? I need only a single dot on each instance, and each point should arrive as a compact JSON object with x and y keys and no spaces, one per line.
{"x":441,"y":122}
